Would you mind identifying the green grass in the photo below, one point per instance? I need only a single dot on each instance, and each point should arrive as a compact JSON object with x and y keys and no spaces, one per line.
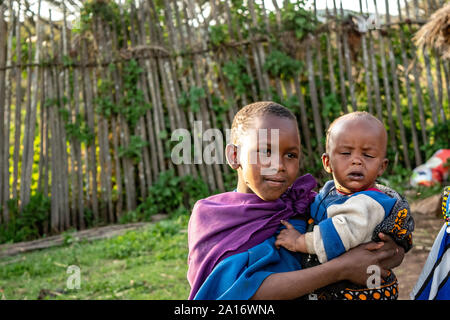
{"x":149,"y":263}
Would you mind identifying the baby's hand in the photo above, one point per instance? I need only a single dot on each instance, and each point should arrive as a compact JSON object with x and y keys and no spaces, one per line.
{"x":290,"y":239}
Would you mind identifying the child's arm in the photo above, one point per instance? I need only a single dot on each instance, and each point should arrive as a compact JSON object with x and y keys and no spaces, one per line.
{"x":290,"y":239}
{"x":351,"y":266}
{"x":399,"y":224}
{"x":348,"y":225}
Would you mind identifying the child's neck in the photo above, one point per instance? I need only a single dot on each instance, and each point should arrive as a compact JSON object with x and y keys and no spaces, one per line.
{"x":347,"y":192}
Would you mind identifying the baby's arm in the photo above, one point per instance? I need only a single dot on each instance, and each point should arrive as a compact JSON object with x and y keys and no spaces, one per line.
{"x":290,"y":239}
{"x":348,"y":225}
{"x":399,"y":224}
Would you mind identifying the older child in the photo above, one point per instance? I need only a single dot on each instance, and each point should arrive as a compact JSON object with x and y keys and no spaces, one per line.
{"x":233,"y":222}
{"x":231,"y":235}
{"x":352,"y":206}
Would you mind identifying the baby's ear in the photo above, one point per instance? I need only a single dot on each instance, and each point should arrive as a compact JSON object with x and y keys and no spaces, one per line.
{"x":232,"y":154}
{"x":383,"y":166}
{"x":326,"y":162}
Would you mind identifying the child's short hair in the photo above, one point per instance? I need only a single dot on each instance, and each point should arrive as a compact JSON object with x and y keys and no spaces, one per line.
{"x":243,"y":119}
{"x":356,"y":114}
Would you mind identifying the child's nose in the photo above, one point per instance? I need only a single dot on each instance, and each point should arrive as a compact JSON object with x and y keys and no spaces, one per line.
{"x":272,"y":165}
{"x":356,"y":160}
{"x":281,"y":164}
{"x":277,"y":164}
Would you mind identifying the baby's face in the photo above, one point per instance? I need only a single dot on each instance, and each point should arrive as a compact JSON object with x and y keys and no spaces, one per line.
{"x":269,"y":179}
{"x":356,"y":155}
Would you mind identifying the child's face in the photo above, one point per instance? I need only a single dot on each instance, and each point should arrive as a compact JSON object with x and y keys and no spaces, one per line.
{"x":356,"y":155}
{"x":255,"y":176}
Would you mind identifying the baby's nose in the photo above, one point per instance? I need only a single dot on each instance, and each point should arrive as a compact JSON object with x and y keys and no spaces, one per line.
{"x":356,"y":160}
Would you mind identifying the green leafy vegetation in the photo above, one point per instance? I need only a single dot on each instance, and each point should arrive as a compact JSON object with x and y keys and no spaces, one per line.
{"x":169,"y":194}
{"x":28,"y":223}
{"x":132,"y":105}
{"x":79,"y":130}
{"x":105,"y":106}
{"x":191,"y":100}
{"x":296,"y":18}
{"x":237,"y":76}
{"x":331,"y":107}
{"x":148,"y":263}
{"x":439,"y":139}
{"x":75,"y":127}
{"x":219,"y":34}
{"x":134,"y":149}
{"x":280,"y":65}
{"x":108,"y":11}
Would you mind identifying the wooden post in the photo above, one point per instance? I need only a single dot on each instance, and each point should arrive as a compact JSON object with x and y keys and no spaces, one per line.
{"x":18,"y":109}
{"x":440,"y":106}
{"x":365,"y":58}
{"x":30,"y":123}
{"x":348,"y":65}
{"x":3,"y":46}
{"x":91,"y":174}
{"x":340,"y":60}
{"x":314,"y":100}
{"x":418,"y":157}
{"x":387,"y":91}
{"x":399,"y":116}
{"x":8,"y":102}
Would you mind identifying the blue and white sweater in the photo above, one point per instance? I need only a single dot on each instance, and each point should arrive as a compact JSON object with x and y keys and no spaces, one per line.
{"x":345,"y":221}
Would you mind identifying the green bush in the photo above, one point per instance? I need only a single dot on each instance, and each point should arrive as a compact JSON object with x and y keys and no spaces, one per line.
{"x":219,"y":34}
{"x":27,"y":224}
{"x":439,"y":139}
{"x":237,"y":76}
{"x":169,"y":194}
{"x":191,"y":100}
{"x":295,"y":17}
{"x":279,"y":64}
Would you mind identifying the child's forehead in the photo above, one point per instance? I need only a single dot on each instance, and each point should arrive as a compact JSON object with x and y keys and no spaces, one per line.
{"x":272,"y":131}
{"x":363,"y":123}
{"x":359,"y":130}
{"x":265,"y":126}
{"x":271,"y":121}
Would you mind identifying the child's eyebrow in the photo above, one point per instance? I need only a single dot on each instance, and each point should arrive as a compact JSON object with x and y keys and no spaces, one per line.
{"x":349,"y":147}
{"x":344,"y":146}
{"x":370,"y":148}
{"x":268,"y":145}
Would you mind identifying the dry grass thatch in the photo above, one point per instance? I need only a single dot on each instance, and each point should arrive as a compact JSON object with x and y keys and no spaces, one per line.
{"x":436,"y":32}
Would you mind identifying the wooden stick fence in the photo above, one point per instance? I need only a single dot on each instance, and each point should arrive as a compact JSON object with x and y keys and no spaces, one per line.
{"x":87,"y":115}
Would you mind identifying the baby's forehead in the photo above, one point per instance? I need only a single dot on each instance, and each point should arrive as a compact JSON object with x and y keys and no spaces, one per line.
{"x":365,"y":130}
{"x":367,"y":123}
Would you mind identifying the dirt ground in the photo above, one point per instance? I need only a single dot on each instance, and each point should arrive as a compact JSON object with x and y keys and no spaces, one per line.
{"x":427,"y":227}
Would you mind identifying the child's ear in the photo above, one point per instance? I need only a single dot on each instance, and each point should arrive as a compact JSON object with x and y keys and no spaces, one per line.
{"x":326,"y":162}
{"x":383,"y":166}
{"x":232,"y":154}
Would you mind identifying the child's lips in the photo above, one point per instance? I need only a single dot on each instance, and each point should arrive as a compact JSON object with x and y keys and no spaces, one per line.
{"x":276,"y":182}
{"x":357,"y":176}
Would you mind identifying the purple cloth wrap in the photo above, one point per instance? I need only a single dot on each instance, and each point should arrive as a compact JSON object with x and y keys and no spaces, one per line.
{"x":232,"y":222}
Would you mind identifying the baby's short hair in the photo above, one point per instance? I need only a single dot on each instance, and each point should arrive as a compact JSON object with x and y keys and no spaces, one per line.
{"x":243,"y":119}
{"x":351,"y":115}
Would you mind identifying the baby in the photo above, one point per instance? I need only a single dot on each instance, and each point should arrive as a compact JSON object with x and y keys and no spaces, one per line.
{"x":351,"y":209}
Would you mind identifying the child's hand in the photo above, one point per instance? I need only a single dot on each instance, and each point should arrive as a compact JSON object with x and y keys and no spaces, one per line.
{"x":290,"y":239}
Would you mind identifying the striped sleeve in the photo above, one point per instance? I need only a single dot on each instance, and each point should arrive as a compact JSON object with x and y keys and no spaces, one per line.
{"x":348,"y":224}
